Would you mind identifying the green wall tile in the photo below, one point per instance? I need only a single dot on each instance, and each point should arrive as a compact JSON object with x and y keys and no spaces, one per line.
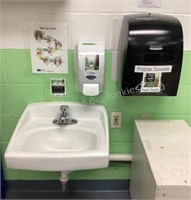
{"x":3,"y":78}
{"x":19,"y":61}
{"x":145,"y":104}
{"x":39,"y":175}
{"x":72,"y":93}
{"x":11,"y":174}
{"x":6,"y":128}
{"x":107,"y":72}
{"x":186,"y":69}
{"x":16,"y":97}
{"x":1,"y":133}
{"x":72,"y":66}
{"x":120,"y":147}
{"x":114,"y":171}
{"x":16,"y":119}
{"x":181,"y":104}
{"x":3,"y":146}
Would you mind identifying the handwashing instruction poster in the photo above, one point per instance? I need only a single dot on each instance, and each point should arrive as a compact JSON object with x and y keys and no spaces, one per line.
{"x":48,"y":44}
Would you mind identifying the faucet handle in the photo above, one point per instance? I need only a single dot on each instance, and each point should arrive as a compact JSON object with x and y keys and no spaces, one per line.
{"x":64,"y":108}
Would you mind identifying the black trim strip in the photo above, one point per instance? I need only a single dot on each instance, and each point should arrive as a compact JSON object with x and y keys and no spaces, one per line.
{"x":77,"y":189}
{"x":75,"y":185}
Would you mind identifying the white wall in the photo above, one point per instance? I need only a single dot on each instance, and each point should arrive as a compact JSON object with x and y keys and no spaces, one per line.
{"x":86,"y":19}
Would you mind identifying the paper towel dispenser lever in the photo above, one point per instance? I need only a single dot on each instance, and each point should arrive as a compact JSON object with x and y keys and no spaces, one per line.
{"x":152,"y":47}
{"x":90,"y":67}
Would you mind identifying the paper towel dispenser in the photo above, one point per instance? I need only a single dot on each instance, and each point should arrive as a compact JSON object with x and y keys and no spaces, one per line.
{"x":152,"y":46}
{"x":90,"y":67}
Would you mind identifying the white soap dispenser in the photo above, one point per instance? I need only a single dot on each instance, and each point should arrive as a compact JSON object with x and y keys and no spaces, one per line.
{"x":90,"y":67}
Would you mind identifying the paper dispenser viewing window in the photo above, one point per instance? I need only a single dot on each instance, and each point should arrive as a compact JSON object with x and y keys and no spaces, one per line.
{"x":152,"y":47}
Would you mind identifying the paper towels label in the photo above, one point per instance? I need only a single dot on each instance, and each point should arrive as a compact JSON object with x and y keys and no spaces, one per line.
{"x":153,"y":69}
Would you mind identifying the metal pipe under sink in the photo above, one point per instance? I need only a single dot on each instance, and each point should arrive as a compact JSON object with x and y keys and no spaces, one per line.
{"x":112,"y":157}
{"x":63,"y":180}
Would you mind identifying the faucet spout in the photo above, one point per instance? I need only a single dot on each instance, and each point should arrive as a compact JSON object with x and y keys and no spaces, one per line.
{"x":64,"y":118}
{"x":64,"y":109}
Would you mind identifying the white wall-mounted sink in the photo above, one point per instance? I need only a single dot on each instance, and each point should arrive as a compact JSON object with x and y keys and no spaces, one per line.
{"x":38,"y":144}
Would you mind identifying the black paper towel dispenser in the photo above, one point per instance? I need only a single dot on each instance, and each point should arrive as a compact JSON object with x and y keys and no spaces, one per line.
{"x":153,"y":48}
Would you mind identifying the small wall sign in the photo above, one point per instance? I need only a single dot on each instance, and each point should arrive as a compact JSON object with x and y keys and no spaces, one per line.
{"x":57,"y":87}
{"x":149,"y":3}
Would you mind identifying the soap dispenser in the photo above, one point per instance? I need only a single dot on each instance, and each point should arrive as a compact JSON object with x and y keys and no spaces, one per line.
{"x":90,"y":67}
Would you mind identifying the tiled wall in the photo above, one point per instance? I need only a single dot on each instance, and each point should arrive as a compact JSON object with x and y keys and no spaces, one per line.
{"x":86,"y":19}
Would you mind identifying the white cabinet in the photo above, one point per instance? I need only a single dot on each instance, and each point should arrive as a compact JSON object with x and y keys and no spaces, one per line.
{"x":161,"y":166}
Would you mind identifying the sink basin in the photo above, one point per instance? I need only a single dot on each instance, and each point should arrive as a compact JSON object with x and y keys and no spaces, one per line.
{"x":38,"y":144}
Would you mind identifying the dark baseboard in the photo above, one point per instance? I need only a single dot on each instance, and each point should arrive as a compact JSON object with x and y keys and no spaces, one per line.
{"x":75,"y":185}
{"x":76,"y":189}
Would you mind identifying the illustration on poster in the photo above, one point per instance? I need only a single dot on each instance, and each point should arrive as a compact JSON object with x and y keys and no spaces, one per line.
{"x":39,"y":36}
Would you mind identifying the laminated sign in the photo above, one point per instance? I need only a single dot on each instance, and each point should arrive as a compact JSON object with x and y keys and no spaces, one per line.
{"x":48,"y":45}
{"x":152,"y":75}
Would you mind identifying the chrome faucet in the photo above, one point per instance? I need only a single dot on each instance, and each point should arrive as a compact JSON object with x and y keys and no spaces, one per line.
{"x":64,"y":118}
